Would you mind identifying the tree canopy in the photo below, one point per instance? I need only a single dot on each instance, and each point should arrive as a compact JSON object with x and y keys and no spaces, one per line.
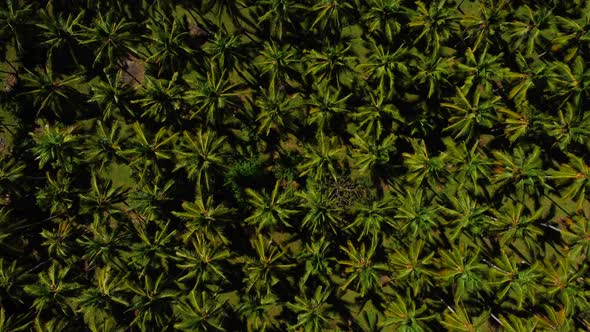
{"x":294,"y":165}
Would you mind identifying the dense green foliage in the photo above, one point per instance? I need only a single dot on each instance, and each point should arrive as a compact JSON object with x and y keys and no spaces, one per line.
{"x":294,"y":165}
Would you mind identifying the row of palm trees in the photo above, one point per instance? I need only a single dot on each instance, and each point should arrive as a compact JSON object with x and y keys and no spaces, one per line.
{"x":303,"y":165}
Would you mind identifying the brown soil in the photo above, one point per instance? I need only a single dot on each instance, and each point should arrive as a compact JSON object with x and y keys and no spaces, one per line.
{"x":384,"y":279}
{"x":133,"y":71}
{"x":196,"y":31}
{"x":292,"y":144}
{"x":10,"y":83}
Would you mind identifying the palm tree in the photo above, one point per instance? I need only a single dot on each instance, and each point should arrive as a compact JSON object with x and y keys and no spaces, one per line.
{"x":331,"y":16}
{"x":402,"y":314}
{"x":434,"y":72}
{"x":512,"y":223}
{"x":112,"y":97}
{"x":105,"y":146}
{"x":202,"y":157}
{"x":462,"y":269}
{"x":513,"y":323}
{"x":151,"y":302}
{"x":564,"y":281}
{"x":57,"y":242}
{"x":145,"y":154}
{"x":50,"y":92}
{"x":530,"y":75}
{"x":371,"y":156}
{"x":227,"y":51}
{"x":58,"y":196}
{"x":203,"y":216}
{"x":369,"y":320}
{"x":56,"y":147}
{"x":113,"y":40}
{"x":59,"y":34}
{"x":377,"y":114}
{"x":275,"y":110}
{"x":11,"y":173}
{"x":326,"y":104}
{"x":570,"y":82}
{"x":466,"y":214}
{"x":149,"y":252}
{"x":577,"y":237}
{"x":418,"y":218}
{"x":200,"y":312}
{"x":569,"y":127}
{"x":259,"y":313}
{"x":14,"y":19}
{"x":103,"y":200}
{"x":322,"y":212}
{"x":530,"y":28}
{"x":214,"y":96}
{"x":361,"y":269}
{"x":472,"y":166}
{"x":104,"y":325}
{"x":320,"y":161}
{"x":331,"y":64}
{"x":371,"y":219}
{"x":413,"y":267}
{"x":102,"y":244}
{"x":271,"y":210}
{"x":203,"y":264}
{"x":9,"y":234}
{"x":524,"y":121}
{"x":316,"y":257}
{"x":52,"y":325}
{"x":150,"y":198}
{"x":162,"y":100}
{"x":471,"y":115}
{"x":436,"y":22}
{"x":97,"y":302}
{"x":13,"y":323}
{"x":520,"y":171}
{"x":421,"y":166}
{"x":53,"y":291}
{"x":262,"y":272}
{"x":520,"y":283}
{"x":387,"y":67}
{"x":572,"y":34}
{"x":556,"y":320}
{"x":577,"y":174}
{"x":384,"y":18}
{"x":169,"y":44}
{"x":278,"y":15}
{"x":313,"y":313}
{"x":483,"y":73}
{"x":487,"y":23}
{"x":459,"y":320}
{"x":279,"y":61}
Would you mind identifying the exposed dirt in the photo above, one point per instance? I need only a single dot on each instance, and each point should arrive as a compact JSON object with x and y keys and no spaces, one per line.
{"x":132,"y":71}
{"x":10,"y":83}
{"x":292,"y":144}
{"x":196,"y":31}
